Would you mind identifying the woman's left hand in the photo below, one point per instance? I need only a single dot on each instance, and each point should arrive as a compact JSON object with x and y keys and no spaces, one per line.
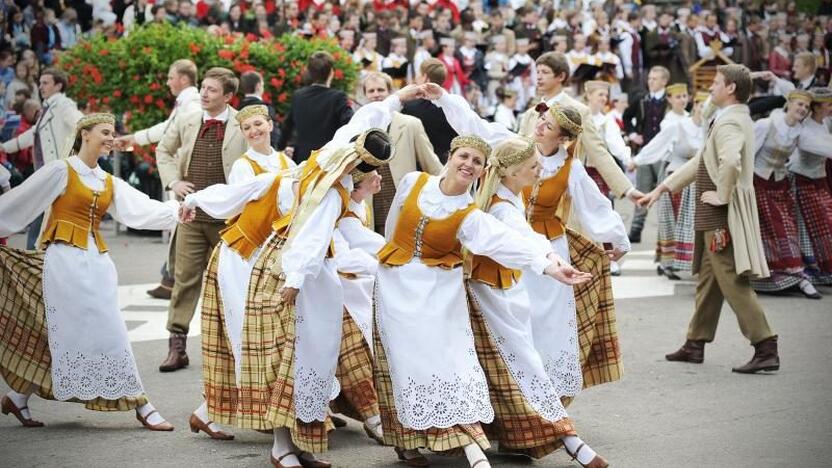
{"x":289,"y":295}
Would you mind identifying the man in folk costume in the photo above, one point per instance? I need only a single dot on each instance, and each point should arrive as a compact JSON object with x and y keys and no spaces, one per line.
{"x":182,"y":76}
{"x":366,"y":55}
{"x":413,"y":149}
{"x":728,"y":248}
{"x":252,"y":204}
{"x":552,"y":71}
{"x":708,"y":33}
{"x":777,"y":137}
{"x":808,"y":172}
{"x":51,"y":135}
{"x":197,"y":151}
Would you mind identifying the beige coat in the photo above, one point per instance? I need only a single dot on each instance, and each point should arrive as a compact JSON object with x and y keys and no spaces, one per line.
{"x":729,"y":158}
{"x":173,"y":155}
{"x":412,"y":147}
{"x":56,"y":130}
{"x":592,"y":151}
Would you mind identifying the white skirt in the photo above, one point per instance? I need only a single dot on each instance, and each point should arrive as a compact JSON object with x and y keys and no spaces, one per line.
{"x":91,"y":354}
{"x":424,"y":325}
{"x":555,"y":325}
{"x":358,"y":300}
{"x":319,"y":317}
{"x":508,"y":320}
{"x":233,"y":276}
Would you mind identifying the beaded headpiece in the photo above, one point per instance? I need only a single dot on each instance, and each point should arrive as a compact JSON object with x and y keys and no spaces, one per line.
{"x":358,"y":176}
{"x":676,"y":88}
{"x":470,"y":141}
{"x":250,"y":111}
{"x":592,"y":85}
{"x":821,"y":95}
{"x":701,"y":96}
{"x":90,"y":120}
{"x":560,"y":117}
{"x":504,"y":161}
{"x":798,"y":95}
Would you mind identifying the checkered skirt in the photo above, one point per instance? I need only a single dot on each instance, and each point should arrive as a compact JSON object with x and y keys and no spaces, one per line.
{"x":666,"y":241}
{"x":683,"y":234}
{"x":358,"y":398}
{"x":595,"y":307}
{"x":265,"y":397}
{"x":516,"y":426}
{"x":778,"y":227}
{"x":25,"y":359}
{"x":814,"y":221}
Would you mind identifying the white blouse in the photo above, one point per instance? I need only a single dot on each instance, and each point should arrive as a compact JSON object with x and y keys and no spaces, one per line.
{"x":241,"y":169}
{"x":611,"y":133}
{"x":356,"y":246}
{"x":479,"y":232}
{"x":24,"y":203}
{"x":513,"y":215}
{"x":224,"y":201}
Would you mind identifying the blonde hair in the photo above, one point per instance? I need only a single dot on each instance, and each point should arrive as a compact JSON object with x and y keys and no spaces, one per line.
{"x":506,"y":156}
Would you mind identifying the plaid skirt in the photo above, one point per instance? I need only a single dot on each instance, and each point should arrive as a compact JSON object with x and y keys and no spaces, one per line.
{"x":683,"y":234}
{"x":666,"y":241}
{"x":778,"y":227}
{"x":516,"y":426}
{"x":25,"y":360}
{"x":265,"y":397}
{"x":448,"y":441}
{"x":358,"y":398}
{"x":814,"y":223}
{"x":595,"y":308}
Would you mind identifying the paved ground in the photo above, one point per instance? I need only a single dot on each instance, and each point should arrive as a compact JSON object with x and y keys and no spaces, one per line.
{"x":660,"y":415}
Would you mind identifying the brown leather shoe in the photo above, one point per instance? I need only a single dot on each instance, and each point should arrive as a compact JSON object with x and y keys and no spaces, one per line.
{"x":419,"y":460}
{"x":197,"y":425}
{"x":163,"y":426}
{"x":307,"y":460}
{"x":766,"y":358}
{"x":7,"y":406}
{"x":692,"y":351}
{"x":162,"y":291}
{"x":276,"y":462}
{"x":597,"y":462}
{"x":177,"y":358}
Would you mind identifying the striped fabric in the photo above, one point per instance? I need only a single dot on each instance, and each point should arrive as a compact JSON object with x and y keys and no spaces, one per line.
{"x":683,"y":234}
{"x":595,"y":307}
{"x":666,"y":241}
{"x":778,"y":228}
{"x":24,"y":345}
{"x":814,"y":225}
{"x":516,"y":426}
{"x":358,"y":398}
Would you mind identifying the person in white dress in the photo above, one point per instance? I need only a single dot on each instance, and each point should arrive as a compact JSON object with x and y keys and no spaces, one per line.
{"x":529,"y":417}
{"x":64,"y":300}
{"x":565,"y":193}
{"x":680,"y":136}
{"x":432,"y":391}
{"x":505,"y":109}
{"x":226,"y":283}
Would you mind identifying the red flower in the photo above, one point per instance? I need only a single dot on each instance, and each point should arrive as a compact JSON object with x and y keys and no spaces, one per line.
{"x":251,"y":37}
{"x":338,"y":75}
{"x":282,"y":97}
{"x":134,"y":99}
{"x":225,"y":54}
{"x":104,"y":52}
{"x":336,"y":56}
{"x":161,"y":104}
{"x":194,"y":48}
{"x":117,"y":93}
{"x":105,"y":99}
{"x":281,"y":72}
{"x":229,"y":39}
{"x":136,"y":77}
{"x":279,"y":47}
{"x":276,"y":83}
{"x":267,"y":97}
{"x":148,"y":99}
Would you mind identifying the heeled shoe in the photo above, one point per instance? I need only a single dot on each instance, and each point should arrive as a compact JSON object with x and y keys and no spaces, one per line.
{"x":371,"y":432}
{"x":597,"y":462}
{"x":276,"y":461}
{"x":197,"y":425}
{"x":420,"y":460}
{"x":7,"y":406}
{"x":311,"y":462}
{"x":163,"y":426}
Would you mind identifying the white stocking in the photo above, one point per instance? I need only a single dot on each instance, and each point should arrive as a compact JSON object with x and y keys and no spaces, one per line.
{"x":283,"y":445}
{"x":474,"y":454}
{"x":573,"y":443}
{"x":145,"y":410}
{"x":21,"y":400}
{"x":374,"y":424}
{"x":202,"y":414}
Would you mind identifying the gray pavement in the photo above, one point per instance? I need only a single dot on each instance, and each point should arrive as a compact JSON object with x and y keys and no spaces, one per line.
{"x":660,"y":414}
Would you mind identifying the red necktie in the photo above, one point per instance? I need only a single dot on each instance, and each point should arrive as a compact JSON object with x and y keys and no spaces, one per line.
{"x":213,"y":123}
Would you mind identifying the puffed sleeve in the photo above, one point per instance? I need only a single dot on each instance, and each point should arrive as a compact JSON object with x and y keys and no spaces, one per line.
{"x":485,"y":235}
{"x":241,"y":171}
{"x":223,"y":201}
{"x":22,"y":204}
{"x":359,"y":237}
{"x":514,"y":218}
{"x":660,"y":146}
{"x":138,"y":211}
{"x":465,"y":121}
{"x":594,"y":210}
{"x":353,"y":260}
{"x":306,"y":253}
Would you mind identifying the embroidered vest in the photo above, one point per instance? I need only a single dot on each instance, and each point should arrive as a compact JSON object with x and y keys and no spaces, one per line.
{"x":432,"y":240}
{"x":487,"y":271}
{"x":78,"y":213}
{"x":250,"y":229}
{"x":543,"y":199}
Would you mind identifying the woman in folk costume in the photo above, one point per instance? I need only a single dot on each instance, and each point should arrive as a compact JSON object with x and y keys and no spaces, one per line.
{"x":814,"y":199}
{"x":295,"y":305}
{"x":64,"y":336}
{"x":432,"y":391}
{"x":356,"y":245}
{"x":529,"y":417}
{"x":255,"y":198}
{"x":565,"y":190}
{"x":776,"y":138}
{"x":680,"y":136}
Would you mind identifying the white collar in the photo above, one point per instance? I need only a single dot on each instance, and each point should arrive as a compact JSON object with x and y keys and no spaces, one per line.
{"x":557,"y":99}
{"x":805,"y":83}
{"x":434,"y":193}
{"x":657,"y":95}
{"x":506,"y":194}
{"x":187,"y":94}
{"x":359,"y":208}
{"x":553,"y":162}
{"x":83,"y":169}
{"x":261,"y":158}
{"x":222,"y":117}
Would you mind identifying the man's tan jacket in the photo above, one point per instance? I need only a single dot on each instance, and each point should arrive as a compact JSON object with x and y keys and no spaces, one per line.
{"x":173,"y":155}
{"x":412,"y":147}
{"x":729,"y":158}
